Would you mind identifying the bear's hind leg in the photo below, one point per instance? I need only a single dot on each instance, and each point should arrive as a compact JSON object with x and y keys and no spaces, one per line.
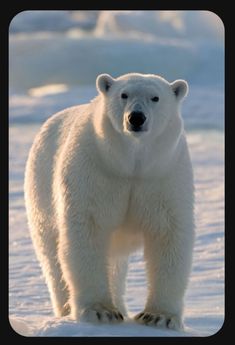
{"x":118,"y":272}
{"x":45,"y":243}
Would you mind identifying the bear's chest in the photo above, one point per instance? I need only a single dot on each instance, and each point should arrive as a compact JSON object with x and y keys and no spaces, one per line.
{"x":148,"y":207}
{"x":131,"y":204}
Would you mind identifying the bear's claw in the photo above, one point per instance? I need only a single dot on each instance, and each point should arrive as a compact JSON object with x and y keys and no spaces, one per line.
{"x":159,"y":320}
{"x":101,"y":314}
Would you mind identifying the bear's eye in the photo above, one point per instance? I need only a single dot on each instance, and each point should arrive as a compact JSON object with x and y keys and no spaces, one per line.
{"x":124,"y":96}
{"x":155,"y":99}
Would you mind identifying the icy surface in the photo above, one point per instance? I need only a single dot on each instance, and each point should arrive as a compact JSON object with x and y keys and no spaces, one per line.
{"x":55,"y":57}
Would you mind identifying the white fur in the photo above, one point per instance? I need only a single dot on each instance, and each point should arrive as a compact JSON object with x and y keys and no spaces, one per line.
{"x":96,"y":191}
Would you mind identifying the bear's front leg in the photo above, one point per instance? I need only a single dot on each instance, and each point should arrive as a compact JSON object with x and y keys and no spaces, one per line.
{"x":83,"y":249}
{"x":168,"y":260}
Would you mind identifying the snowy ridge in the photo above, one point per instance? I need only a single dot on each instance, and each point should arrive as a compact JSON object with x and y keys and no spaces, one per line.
{"x":176,"y":44}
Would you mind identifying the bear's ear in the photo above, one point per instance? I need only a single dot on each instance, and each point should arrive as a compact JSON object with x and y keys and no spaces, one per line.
{"x":104,"y":82}
{"x":180,"y":88}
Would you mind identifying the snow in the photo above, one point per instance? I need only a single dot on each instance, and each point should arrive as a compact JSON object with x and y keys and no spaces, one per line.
{"x":54,"y":59}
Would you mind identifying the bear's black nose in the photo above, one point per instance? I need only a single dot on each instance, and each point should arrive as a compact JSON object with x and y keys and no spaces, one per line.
{"x":136,"y":118}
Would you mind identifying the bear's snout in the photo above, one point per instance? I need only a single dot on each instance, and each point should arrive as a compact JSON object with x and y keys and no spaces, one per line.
{"x":136,"y":120}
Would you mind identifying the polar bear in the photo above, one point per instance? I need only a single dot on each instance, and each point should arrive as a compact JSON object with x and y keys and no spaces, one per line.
{"x":101,"y":180}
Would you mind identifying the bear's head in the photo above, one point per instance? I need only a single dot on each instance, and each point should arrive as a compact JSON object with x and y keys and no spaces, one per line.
{"x":140,"y":104}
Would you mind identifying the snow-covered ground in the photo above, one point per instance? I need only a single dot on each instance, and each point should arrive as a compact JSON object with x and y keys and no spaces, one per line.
{"x":55,"y":57}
